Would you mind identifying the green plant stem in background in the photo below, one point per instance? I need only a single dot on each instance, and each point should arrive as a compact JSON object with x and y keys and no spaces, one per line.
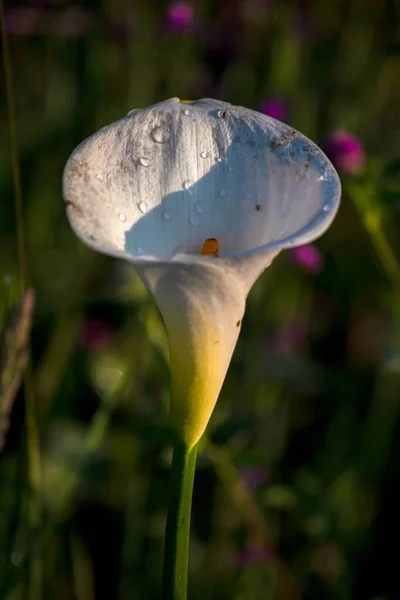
{"x":371,"y":214}
{"x":32,"y":432}
{"x":177,"y":535}
{"x":19,"y":215}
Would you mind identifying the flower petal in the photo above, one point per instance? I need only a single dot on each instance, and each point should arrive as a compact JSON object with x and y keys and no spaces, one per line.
{"x":168,"y":177}
{"x":202,"y":312}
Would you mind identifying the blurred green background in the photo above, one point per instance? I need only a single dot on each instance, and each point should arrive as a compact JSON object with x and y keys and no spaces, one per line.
{"x":297,"y":487}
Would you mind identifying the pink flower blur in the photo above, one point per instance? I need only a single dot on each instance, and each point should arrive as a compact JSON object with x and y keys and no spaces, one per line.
{"x":308,"y":258}
{"x":179,"y":16}
{"x":345,"y":151}
{"x":253,"y":476}
{"x":275,"y":108}
{"x":256,"y":554}
{"x":95,"y":334}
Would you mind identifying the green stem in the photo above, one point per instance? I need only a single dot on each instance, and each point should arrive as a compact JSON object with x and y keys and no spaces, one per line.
{"x":19,"y":213}
{"x":177,"y":535}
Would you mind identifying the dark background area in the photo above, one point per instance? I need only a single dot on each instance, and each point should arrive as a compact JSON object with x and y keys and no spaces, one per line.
{"x":296,"y":492}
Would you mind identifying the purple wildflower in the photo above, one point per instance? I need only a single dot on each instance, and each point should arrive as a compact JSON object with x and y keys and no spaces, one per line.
{"x":345,"y":151}
{"x":253,"y":476}
{"x":95,"y":334}
{"x":179,"y":17}
{"x":23,"y":21}
{"x":308,"y":258}
{"x":275,"y":108}
{"x":255,"y":554}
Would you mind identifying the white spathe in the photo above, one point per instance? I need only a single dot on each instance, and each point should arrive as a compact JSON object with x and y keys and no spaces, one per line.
{"x":152,"y":187}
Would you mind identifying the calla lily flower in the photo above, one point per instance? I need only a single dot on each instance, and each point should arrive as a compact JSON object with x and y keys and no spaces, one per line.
{"x":200,"y":197}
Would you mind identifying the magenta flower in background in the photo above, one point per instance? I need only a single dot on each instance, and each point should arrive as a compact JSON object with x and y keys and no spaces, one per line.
{"x":253,"y":477}
{"x":23,"y":21}
{"x":179,"y":17}
{"x":95,"y":334}
{"x":255,"y":554}
{"x":345,"y":151}
{"x":275,"y":108}
{"x":308,"y":258}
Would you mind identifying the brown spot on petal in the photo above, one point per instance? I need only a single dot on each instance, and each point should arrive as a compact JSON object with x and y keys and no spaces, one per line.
{"x":73,"y":205}
{"x":238,"y":323}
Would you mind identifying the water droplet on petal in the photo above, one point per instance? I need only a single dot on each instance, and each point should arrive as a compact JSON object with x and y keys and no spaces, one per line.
{"x":326,"y":207}
{"x":224,"y":193}
{"x":138,"y":250}
{"x":99,"y":177}
{"x":200,"y":207}
{"x":145,"y":162}
{"x":122,"y":217}
{"x":188,"y":186}
{"x":219,"y":159}
{"x":167,"y":214}
{"x":160,"y":135}
{"x":204,"y":154}
{"x":187,"y":112}
{"x":194,"y":219}
{"x":143,"y":207}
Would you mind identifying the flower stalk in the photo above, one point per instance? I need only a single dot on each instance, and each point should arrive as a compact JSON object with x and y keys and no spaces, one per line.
{"x":176,"y":554}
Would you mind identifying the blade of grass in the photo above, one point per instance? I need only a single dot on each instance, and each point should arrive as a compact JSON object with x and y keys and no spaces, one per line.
{"x":32,"y":432}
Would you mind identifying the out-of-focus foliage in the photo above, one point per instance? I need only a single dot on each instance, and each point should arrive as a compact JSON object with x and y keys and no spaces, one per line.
{"x":296,"y":493}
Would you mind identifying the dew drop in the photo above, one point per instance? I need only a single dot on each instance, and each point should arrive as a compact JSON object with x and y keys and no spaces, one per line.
{"x":204,"y":154}
{"x":110,"y":176}
{"x":145,"y":162}
{"x":122,"y":217}
{"x":326,"y":207}
{"x":143,"y":207}
{"x":194,"y":219}
{"x":200,"y":208}
{"x":187,"y":112}
{"x":160,"y":135}
{"x":167,"y":214}
{"x":219,"y":159}
{"x":138,"y":250}
{"x":188,"y":186}
{"x":99,"y":177}
{"x":224,"y":193}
